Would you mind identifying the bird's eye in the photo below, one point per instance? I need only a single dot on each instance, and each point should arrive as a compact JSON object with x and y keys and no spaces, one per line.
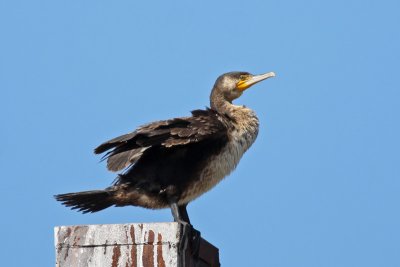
{"x":243,"y":77}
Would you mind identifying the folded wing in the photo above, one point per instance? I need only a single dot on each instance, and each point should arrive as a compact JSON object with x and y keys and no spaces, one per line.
{"x":125,"y":150}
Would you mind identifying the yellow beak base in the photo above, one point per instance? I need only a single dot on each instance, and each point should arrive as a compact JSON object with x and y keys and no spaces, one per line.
{"x":252,"y":80}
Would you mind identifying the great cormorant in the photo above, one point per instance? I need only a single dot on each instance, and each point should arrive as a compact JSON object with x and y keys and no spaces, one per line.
{"x":171,"y":162}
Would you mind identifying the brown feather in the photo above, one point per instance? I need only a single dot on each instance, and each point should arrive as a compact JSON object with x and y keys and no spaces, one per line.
{"x":125,"y":150}
{"x":124,"y":159}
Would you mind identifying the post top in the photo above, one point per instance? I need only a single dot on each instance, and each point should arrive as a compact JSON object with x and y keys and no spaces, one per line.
{"x":126,"y":234}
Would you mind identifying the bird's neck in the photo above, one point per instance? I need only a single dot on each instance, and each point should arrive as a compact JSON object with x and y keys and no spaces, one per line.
{"x":242,"y":122}
{"x":220,"y":104}
{"x":223,"y":106}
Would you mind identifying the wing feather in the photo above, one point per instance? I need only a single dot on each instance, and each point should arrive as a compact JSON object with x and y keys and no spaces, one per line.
{"x":124,"y":159}
{"x":125,"y":150}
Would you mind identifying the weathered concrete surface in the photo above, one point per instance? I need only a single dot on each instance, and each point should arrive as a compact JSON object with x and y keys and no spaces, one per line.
{"x":126,"y":245}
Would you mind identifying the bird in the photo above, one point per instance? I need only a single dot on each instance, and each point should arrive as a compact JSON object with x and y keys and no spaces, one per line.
{"x":169,"y":163}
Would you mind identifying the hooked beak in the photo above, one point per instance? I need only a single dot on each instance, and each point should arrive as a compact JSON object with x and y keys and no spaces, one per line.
{"x":244,"y":84}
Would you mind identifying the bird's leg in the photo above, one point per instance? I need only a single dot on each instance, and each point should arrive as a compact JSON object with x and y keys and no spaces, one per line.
{"x":195,"y":235}
{"x":183,"y":213}
{"x":185,"y":232}
{"x":189,"y":235}
{"x":182,"y":219}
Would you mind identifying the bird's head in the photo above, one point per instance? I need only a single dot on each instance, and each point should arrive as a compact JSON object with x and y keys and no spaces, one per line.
{"x":231,"y":85}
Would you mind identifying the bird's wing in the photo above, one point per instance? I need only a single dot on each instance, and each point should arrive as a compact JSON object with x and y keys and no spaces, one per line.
{"x":125,"y":150}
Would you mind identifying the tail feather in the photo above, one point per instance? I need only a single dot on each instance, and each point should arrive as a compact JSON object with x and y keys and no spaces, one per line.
{"x":87,"y":201}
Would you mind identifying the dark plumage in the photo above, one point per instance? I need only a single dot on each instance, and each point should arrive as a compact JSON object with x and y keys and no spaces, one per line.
{"x":169,"y":163}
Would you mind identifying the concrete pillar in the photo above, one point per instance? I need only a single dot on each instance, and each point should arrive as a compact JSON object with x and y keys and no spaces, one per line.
{"x":128,"y":245}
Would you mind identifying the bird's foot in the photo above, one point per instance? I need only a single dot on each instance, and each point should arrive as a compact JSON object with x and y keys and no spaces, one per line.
{"x":189,"y":239}
{"x":195,"y":242}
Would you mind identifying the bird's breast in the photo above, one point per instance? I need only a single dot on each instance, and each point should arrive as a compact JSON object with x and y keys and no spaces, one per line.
{"x":241,"y":136}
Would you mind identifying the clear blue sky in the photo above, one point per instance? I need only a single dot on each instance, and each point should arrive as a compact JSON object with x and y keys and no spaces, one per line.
{"x":321,"y":185}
